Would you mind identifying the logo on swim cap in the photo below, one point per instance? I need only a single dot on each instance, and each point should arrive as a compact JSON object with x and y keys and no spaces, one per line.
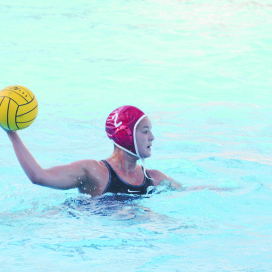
{"x":121,"y":128}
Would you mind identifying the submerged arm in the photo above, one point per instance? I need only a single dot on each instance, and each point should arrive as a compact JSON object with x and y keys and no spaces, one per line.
{"x":160,"y":178}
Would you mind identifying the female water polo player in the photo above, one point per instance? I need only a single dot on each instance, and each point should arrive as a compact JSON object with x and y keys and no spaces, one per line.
{"x":130,"y":130}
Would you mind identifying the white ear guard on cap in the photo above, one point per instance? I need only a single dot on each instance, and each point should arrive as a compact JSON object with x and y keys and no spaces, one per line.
{"x":134,"y":139}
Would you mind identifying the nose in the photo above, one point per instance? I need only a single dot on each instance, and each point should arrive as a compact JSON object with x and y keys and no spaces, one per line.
{"x":151,"y":137}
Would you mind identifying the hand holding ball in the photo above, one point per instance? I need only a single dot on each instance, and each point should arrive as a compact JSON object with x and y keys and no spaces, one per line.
{"x":18,"y":107}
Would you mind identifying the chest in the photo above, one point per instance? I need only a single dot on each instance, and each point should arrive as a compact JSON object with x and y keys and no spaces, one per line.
{"x":134,"y":179}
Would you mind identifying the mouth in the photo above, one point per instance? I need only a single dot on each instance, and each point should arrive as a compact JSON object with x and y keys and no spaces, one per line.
{"x":149,"y":146}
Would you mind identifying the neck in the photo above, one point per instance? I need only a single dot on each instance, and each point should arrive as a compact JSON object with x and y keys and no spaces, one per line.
{"x":122,"y":160}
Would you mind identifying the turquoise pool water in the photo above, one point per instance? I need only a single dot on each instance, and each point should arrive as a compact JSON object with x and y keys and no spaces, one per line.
{"x":202,"y":71}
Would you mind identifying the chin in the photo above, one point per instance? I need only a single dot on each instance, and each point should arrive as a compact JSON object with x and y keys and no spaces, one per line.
{"x":146,"y":156}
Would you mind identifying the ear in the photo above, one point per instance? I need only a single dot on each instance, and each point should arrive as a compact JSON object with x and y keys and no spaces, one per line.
{"x":124,"y":135}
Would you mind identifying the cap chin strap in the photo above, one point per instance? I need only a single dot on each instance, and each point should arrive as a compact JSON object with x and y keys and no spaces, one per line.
{"x":127,"y":150}
{"x":135,"y":145}
{"x":134,"y":135}
{"x":143,"y":162}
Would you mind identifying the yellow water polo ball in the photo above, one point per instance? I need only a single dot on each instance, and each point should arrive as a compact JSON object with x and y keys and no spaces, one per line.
{"x":18,"y":107}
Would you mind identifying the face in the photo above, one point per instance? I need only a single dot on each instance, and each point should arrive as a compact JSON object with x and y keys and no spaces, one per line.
{"x":144,"y":138}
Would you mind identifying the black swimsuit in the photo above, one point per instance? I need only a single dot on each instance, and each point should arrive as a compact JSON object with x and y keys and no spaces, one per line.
{"x":117,"y":185}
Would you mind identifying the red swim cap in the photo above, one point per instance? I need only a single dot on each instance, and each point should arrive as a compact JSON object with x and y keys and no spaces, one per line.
{"x":121,"y":128}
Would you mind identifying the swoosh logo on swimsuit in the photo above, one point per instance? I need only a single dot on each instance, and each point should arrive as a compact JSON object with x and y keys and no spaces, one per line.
{"x":129,"y":191}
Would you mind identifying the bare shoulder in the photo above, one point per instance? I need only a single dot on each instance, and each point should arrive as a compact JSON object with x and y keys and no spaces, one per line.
{"x":94,"y":168}
{"x":159,"y":178}
{"x":97,"y":177}
{"x":92,"y":163}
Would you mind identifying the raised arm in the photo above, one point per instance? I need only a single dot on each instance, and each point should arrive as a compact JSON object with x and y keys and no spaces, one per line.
{"x":60,"y":177}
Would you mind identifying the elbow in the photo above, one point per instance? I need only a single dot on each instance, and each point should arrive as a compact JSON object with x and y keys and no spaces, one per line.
{"x":36,"y":178}
{"x":35,"y":181}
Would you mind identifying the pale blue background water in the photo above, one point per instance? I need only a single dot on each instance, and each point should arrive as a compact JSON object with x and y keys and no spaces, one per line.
{"x":202,"y":71}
